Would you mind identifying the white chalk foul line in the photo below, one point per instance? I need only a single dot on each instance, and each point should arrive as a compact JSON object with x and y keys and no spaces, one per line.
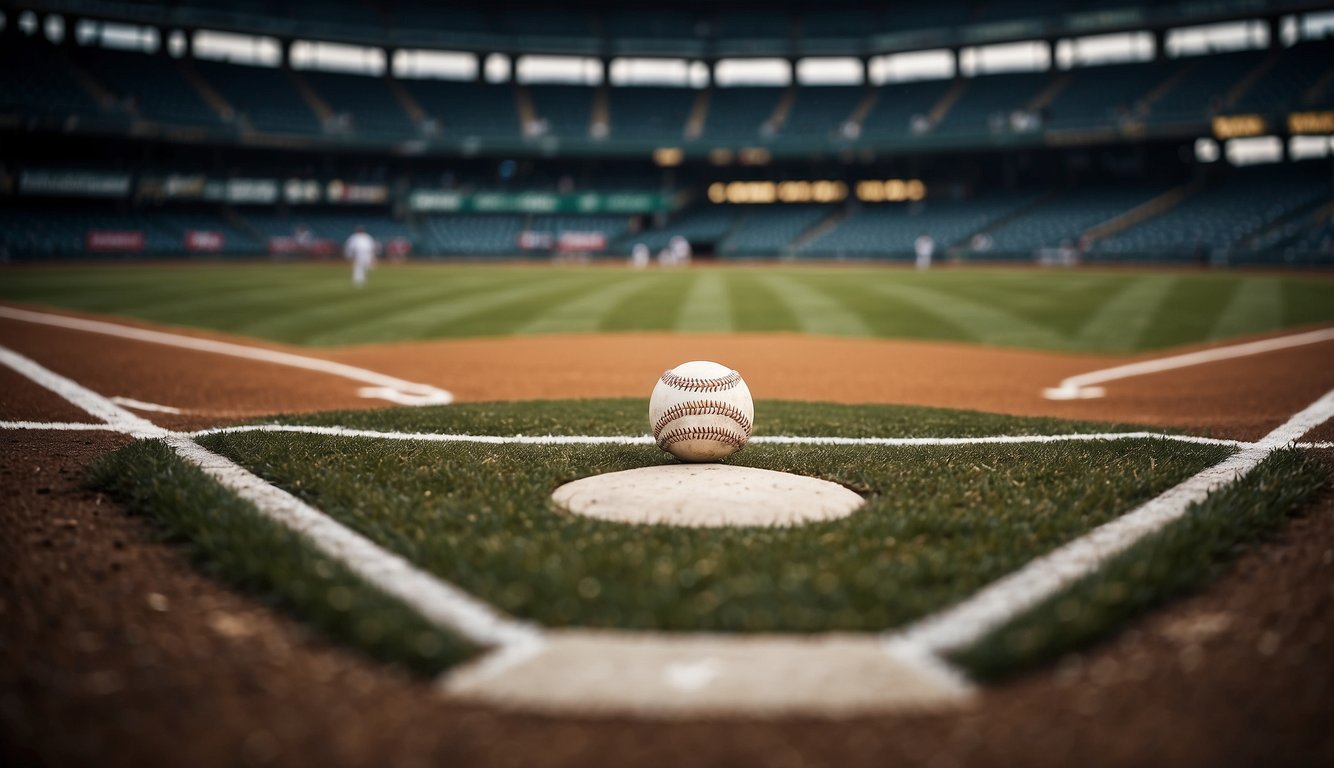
{"x":80,"y":396}
{"x":1083,"y":386}
{"x":991,"y":607}
{"x":436,"y":600}
{"x":383,"y":387}
{"x":644,"y":440}
{"x":59,"y":426}
{"x":140,"y":405}
{"x":437,"y":437}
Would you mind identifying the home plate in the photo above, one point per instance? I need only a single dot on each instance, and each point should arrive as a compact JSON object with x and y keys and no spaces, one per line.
{"x":707,"y":496}
{"x":673,"y":676}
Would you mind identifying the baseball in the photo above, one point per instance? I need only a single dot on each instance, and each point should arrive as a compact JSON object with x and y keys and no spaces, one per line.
{"x":701,"y":411}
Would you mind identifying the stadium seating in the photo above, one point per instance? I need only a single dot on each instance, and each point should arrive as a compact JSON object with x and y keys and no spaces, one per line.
{"x":151,"y":85}
{"x":566,"y":109}
{"x":611,"y":226}
{"x":897,"y":105}
{"x":265,"y":97}
{"x":1200,"y":86}
{"x":1287,"y":83}
{"x":1102,"y":97}
{"x":987,"y":102}
{"x":650,"y":112}
{"x":888,"y":230}
{"x":704,"y":226}
{"x":1065,"y":216}
{"x":36,"y":82}
{"x":740,"y":114}
{"x":468,"y":109}
{"x":769,"y":231}
{"x":236,"y":240}
{"x":51,"y":232}
{"x":327,"y":225}
{"x":1218,"y":217}
{"x":364,"y":104}
{"x":821,"y":112}
{"x":472,"y":235}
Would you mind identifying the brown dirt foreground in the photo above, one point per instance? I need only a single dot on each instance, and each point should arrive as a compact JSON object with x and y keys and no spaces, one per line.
{"x":115,"y":650}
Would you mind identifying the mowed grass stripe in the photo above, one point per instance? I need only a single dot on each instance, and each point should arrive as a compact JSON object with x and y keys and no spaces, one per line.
{"x":707,"y":306}
{"x":1085,"y":310}
{"x":1172,"y":327}
{"x":816,"y":311}
{"x":1122,"y":321}
{"x":1256,"y":306}
{"x":509,"y":317}
{"x":654,"y":307}
{"x":886,"y":317}
{"x":260,"y":300}
{"x":410,"y":313}
{"x":977,"y":321}
{"x":344,"y":316}
{"x":755,"y":307}
{"x":585,"y":312}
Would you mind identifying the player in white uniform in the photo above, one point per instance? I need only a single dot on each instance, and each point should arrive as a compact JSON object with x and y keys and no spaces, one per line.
{"x":925,"y":246}
{"x":361,"y":249}
{"x":680,"y":248}
{"x":639,"y":256}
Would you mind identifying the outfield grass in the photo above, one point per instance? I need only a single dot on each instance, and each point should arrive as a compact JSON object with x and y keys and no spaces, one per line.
{"x":1113,"y":311}
{"x":939,"y":523}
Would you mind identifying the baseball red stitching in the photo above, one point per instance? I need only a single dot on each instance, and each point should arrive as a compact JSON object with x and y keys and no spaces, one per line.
{"x":701,"y":385}
{"x":719,"y":434}
{"x":702,"y":408}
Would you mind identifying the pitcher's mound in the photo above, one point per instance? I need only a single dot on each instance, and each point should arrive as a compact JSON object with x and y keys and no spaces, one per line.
{"x":707,"y":496}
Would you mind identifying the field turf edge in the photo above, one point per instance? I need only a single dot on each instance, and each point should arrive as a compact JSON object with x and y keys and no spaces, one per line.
{"x":229,"y":538}
{"x":1168,"y":565}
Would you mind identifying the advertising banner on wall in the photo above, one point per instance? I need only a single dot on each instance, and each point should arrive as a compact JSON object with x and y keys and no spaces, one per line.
{"x":204,"y":241}
{"x":74,"y":184}
{"x":581,"y":241}
{"x":454,"y":201}
{"x":113,"y":240}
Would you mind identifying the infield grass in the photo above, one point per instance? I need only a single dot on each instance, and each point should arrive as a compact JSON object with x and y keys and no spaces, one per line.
{"x":940,"y":522}
{"x":1112,"y":311}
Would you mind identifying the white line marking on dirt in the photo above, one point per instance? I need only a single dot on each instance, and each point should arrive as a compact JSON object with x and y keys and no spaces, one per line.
{"x":1321,"y":445}
{"x":438,"y":601}
{"x":59,"y":426}
{"x":991,"y":607}
{"x":384,"y":387}
{"x":435,"y":599}
{"x":435,"y":437}
{"x":80,"y":396}
{"x":1082,"y":387}
{"x":140,"y":405}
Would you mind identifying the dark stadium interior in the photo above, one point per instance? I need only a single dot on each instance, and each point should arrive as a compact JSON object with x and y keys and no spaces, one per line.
{"x":1106,"y":158}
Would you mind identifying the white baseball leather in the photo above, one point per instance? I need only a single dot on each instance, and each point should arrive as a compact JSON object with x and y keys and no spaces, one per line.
{"x":701,"y":411}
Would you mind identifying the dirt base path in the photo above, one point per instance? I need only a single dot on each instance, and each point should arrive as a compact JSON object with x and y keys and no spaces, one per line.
{"x":1241,"y":398}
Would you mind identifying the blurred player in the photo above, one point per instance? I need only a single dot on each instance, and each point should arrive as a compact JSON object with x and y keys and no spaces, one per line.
{"x":361,"y":249}
{"x":680,"y":248}
{"x":639,"y":256}
{"x":925,"y":246}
